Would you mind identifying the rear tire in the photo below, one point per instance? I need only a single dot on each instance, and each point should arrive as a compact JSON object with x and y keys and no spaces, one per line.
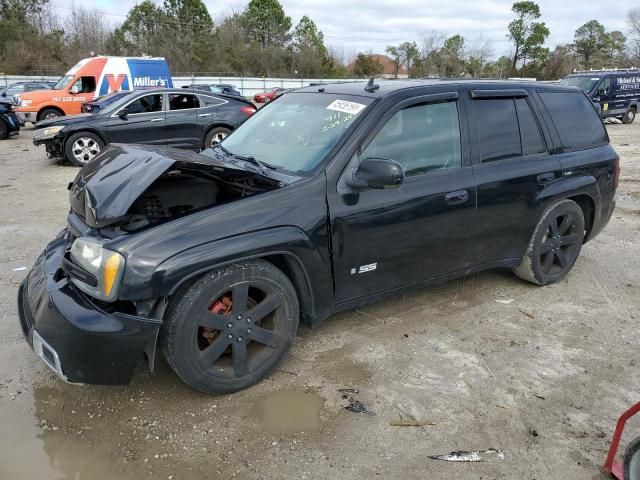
{"x":48,"y":113}
{"x":82,"y":147}
{"x":215,"y":136}
{"x":4,"y":129}
{"x":230,"y":328}
{"x":555,"y":244}
{"x":630,"y":116}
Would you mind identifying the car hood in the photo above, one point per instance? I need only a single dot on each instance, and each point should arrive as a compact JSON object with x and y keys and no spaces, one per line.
{"x":106,"y":187}
{"x":68,"y":120}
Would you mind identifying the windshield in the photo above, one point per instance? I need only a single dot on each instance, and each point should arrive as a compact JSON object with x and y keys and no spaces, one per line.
{"x":63,"y":82}
{"x":297,"y":131}
{"x":115,"y":105}
{"x":585,"y":83}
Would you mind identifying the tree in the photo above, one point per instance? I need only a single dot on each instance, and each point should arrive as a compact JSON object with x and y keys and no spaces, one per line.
{"x":590,"y":40}
{"x":307,"y":36}
{"x":404,"y":55}
{"x":453,"y":56}
{"x":527,"y":35}
{"x":140,"y":33}
{"x":633,"y":19}
{"x":267,"y":23}
{"x":366,"y":65}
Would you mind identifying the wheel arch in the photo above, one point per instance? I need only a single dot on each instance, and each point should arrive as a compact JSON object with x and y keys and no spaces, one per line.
{"x":583,"y":190}
{"x":42,"y":108}
{"x":95,"y":131}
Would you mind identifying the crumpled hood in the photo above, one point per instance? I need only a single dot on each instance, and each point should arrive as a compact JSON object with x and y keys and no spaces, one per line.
{"x":106,"y":187}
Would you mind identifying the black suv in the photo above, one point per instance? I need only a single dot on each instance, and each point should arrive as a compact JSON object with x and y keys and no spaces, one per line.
{"x":328,"y":198}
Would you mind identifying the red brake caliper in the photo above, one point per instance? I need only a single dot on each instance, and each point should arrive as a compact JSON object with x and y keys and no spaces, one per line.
{"x":222,"y":306}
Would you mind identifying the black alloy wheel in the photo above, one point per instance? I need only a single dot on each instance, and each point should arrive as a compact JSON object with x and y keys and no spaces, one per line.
{"x":555,"y":244}
{"x":230,"y":328}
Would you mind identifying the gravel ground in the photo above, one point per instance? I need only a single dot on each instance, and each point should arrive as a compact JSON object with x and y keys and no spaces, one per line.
{"x":488,"y":361}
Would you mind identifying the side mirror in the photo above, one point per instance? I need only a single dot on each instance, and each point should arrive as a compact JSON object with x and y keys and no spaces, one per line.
{"x":123,"y":113}
{"x":376,"y":173}
{"x":4,"y":94}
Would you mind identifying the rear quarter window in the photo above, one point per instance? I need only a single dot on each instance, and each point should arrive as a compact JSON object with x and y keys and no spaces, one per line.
{"x":575,"y":119}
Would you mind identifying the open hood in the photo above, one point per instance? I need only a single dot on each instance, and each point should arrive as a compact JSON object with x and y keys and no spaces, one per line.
{"x":117,"y":185}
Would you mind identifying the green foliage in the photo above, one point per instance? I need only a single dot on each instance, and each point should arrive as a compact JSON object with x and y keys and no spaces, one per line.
{"x":590,"y":39}
{"x":266,"y":23}
{"x":366,"y":65}
{"x":526,"y":33}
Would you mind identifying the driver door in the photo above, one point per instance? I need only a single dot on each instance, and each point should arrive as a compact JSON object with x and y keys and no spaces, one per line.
{"x":384,"y":239}
{"x":143,"y":123}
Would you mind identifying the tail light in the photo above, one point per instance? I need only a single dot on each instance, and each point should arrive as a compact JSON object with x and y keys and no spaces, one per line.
{"x":616,"y":172}
{"x":248,"y":110}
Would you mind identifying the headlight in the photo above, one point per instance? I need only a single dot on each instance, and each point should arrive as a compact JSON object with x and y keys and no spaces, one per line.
{"x":107,"y":266}
{"x":50,"y":132}
{"x":25,"y":103}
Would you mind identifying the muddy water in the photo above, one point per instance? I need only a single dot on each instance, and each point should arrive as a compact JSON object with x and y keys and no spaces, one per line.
{"x":31,"y":448}
{"x":291,"y":411}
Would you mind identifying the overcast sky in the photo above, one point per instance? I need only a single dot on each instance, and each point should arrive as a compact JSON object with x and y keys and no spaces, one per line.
{"x":363,"y":25}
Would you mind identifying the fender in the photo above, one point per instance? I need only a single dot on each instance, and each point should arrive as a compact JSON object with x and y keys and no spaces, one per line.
{"x":81,"y":128}
{"x":570,"y":186}
{"x":306,"y":263}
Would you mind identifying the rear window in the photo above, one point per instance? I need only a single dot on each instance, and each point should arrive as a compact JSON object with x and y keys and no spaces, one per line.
{"x":575,"y":119}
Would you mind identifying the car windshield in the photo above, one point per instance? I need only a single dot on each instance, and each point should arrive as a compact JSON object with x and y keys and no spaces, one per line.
{"x":63,"y":82}
{"x":115,"y":105}
{"x":297,"y":131}
{"x":111,"y":97}
{"x":585,"y":83}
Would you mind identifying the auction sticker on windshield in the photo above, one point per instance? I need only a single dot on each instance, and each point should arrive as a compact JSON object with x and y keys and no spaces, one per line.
{"x":346,"y":106}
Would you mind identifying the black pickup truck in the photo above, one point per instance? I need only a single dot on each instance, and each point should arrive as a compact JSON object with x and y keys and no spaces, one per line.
{"x":330,"y":197}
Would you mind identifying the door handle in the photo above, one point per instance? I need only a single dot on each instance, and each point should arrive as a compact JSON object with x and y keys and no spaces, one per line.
{"x":545,"y":179}
{"x":205,"y":114}
{"x":156,"y":119}
{"x":459,"y":196}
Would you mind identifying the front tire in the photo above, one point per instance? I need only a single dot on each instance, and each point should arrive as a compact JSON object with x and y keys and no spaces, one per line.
{"x":555,"y":244}
{"x":82,"y":147}
{"x":632,"y":461}
{"x":630,"y":116}
{"x":229,"y":329}
{"x":49,"y":113}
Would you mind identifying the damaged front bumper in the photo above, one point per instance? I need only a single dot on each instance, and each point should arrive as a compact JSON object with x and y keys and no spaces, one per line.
{"x":73,"y":336}
{"x":54,"y":144}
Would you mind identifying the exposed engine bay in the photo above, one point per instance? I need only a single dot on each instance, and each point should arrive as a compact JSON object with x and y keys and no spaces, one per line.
{"x":182,"y":190}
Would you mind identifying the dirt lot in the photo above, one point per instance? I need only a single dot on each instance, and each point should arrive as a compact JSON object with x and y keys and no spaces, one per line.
{"x":542,"y":378}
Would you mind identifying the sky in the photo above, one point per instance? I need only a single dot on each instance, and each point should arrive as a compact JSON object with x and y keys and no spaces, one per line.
{"x":371,"y":25}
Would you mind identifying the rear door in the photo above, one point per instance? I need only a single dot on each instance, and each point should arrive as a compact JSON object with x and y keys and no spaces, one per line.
{"x":384,"y":239}
{"x":181,"y":126}
{"x":512,"y":165}
{"x":143,"y":123}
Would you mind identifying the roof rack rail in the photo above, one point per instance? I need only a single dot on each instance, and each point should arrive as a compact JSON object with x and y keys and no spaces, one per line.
{"x":600,"y":70}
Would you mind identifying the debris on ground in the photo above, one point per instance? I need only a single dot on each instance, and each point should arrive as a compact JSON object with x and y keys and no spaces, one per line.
{"x":464,"y":456}
{"x":19,"y":269}
{"x":411,"y":423}
{"x":354,"y":405}
{"x":528,"y":314}
{"x":504,"y":301}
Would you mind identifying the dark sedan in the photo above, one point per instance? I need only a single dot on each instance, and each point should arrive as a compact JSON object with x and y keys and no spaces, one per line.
{"x":224,"y":88}
{"x":20,"y":87}
{"x":167,"y":117}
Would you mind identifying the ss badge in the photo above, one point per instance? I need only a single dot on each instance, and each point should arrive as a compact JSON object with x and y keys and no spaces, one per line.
{"x":364,"y":268}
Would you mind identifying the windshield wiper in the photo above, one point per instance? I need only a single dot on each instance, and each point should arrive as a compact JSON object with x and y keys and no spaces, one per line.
{"x":263,"y":166}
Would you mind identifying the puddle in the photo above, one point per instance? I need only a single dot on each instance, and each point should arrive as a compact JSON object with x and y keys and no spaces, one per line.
{"x":291,"y":411}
